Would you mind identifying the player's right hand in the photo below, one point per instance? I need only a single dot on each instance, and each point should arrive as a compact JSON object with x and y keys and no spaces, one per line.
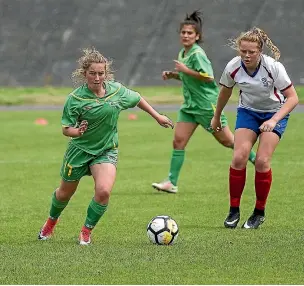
{"x":167,"y":75}
{"x":83,"y":127}
{"x":165,"y":121}
{"x":216,"y":124}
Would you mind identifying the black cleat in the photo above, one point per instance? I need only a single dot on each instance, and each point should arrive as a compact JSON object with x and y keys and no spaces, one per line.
{"x":254,"y":221}
{"x":232,"y":220}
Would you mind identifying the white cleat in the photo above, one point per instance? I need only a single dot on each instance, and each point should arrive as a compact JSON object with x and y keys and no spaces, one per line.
{"x":165,"y":186}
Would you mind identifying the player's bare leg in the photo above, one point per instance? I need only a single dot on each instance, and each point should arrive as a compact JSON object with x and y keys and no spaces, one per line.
{"x":226,"y":138}
{"x":263,"y":178}
{"x":244,"y":140}
{"x":104,"y":177}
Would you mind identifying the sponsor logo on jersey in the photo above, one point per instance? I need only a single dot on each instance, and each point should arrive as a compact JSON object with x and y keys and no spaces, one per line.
{"x":264,"y":81}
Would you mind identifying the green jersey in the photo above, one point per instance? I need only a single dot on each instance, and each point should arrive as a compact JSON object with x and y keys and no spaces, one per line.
{"x":198,"y":95}
{"x":101,"y":113}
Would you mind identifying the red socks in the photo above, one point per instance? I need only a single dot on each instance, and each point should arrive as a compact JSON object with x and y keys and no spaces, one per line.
{"x":262,"y":188}
{"x":237,"y":180}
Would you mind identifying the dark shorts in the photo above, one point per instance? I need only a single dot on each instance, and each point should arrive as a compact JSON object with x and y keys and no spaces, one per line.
{"x":252,"y":120}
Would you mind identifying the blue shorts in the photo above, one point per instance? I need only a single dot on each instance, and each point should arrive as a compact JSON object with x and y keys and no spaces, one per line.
{"x":252,"y":120}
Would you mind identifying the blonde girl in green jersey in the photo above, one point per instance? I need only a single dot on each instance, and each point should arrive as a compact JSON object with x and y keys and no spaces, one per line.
{"x":200,"y":91}
{"x":90,"y":118}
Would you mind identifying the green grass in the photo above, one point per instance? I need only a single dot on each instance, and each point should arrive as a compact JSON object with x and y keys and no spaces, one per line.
{"x":205,"y":252}
{"x":50,"y":95}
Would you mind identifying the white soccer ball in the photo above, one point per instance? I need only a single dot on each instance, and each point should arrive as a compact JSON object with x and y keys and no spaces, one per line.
{"x":162,"y":230}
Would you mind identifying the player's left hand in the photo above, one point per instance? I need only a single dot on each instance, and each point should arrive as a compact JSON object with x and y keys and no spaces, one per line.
{"x":83,"y":127}
{"x":180,"y":67}
{"x":216,"y":124}
{"x":268,"y":125}
{"x":165,"y":121}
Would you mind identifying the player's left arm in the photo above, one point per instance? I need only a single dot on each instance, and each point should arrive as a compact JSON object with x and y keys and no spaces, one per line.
{"x":291,"y":102}
{"x":283,"y":83}
{"x":200,"y":68}
{"x":162,"y":120}
{"x":131,"y":98}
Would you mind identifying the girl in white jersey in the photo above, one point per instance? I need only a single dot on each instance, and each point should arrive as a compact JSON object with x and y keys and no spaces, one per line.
{"x":267,"y":96}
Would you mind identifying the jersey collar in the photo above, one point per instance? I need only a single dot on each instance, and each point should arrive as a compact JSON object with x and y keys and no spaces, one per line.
{"x":93,"y":95}
{"x":256,"y":70}
{"x":194,"y":46}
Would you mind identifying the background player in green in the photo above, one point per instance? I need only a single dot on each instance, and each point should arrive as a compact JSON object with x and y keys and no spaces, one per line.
{"x":200,"y":93}
{"x":90,"y":117}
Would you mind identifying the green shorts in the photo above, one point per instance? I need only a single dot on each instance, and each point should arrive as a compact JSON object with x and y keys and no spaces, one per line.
{"x":76,"y":162}
{"x":203,"y":119}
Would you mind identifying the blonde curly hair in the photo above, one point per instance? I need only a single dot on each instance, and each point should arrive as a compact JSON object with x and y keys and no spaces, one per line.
{"x":90,"y":56}
{"x":256,"y":35}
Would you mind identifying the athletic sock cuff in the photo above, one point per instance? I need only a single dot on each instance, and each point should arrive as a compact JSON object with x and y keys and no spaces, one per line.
{"x":264,"y":174}
{"x":98,"y":208}
{"x":236,"y":172}
{"x":58,"y":204}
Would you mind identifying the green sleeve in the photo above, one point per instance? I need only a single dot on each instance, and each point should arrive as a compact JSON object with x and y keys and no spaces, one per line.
{"x":129,"y":98}
{"x":70,"y":112}
{"x":201,"y":64}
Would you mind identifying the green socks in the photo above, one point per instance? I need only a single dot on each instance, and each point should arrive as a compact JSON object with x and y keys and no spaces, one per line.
{"x":177,"y":161}
{"x":57,"y":207}
{"x":252,"y":156}
{"x":94,"y":213}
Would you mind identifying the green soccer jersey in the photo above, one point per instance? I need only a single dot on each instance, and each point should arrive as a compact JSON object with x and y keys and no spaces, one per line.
{"x":198,"y":95}
{"x":101,"y":113}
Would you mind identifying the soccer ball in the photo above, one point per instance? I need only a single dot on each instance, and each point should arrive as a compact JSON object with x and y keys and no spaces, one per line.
{"x":162,"y":230}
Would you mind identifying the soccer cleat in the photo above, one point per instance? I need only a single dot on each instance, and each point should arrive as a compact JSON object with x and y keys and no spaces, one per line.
{"x":232,"y":220}
{"x":85,"y":236}
{"x":165,"y":186}
{"x":254,"y":221}
{"x":47,"y":229}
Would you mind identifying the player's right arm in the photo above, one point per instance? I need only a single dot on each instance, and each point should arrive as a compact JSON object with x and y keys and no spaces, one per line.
{"x":73,"y":131}
{"x":170,"y":75}
{"x":227,"y":83}
{"x":70,"y":117}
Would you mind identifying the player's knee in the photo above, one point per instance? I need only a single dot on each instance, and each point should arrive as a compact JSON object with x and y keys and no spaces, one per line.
{"x":240,"y":158}
{"x":102,"y":194}
{"x":64,"y":193}
{"x":262,"y":163}
{"x":179,"y":143}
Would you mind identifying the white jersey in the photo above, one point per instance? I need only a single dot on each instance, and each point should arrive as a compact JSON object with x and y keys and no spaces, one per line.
{"x":261,"y":91}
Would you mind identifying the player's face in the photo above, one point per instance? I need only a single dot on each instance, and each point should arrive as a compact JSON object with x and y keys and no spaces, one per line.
{"x":95,"y":75}
{"x":188,"y":36}
{"x":250,"y":54}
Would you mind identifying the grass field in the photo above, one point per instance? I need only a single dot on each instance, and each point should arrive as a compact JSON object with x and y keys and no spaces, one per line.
{"x":205,"y":252}
{"x":50,"y":95}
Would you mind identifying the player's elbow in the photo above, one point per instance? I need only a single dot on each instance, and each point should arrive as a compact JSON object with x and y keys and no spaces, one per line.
{"x":296,"y":99}
{"x":65,"y":130}
{"x":209,"y":79}
{"x":206,"y":78}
